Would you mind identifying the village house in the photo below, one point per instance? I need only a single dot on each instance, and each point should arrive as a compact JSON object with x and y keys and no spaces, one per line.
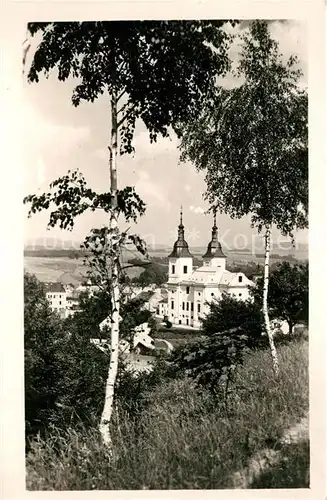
{"x":189,"y":289}
{"x":162,"y":310}
{"x":72,"y":302}
{"x":152,"y":298}
{"x":57,"y":297}
{"x":63,"y":299}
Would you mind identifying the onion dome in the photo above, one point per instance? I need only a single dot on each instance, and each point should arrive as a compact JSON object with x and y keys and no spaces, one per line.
{"x":180,"y":248}
{"x":214,"y":248}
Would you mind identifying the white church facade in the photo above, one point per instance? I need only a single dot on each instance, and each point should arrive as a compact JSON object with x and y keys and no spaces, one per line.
{"x":189,"y":288}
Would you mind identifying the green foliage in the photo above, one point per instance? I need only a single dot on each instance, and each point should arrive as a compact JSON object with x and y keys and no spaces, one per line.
{"x":228,"y":312}
{"x":64,"y":374}
{"x":92,"y":310}
{"x":72,"y":198}
{"x":211,"y":361}
{"x":152,"y":322}
{"x":182,"y":439}
{"x":252,"y":140}
{"x":133,"y":314}
{"x":161,"y":69}
{"x":154,"y":273}
{"x":133,"y":389}
{"x":168,"y":324}
{"x":288,"y":292}
{"x":99,"y":255}
{"x":250,"y":269}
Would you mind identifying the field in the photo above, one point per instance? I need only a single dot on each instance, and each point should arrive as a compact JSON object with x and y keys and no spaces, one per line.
{"x":182,"y":438}
{"x":51,"y":268}
{"x":63,"y":269}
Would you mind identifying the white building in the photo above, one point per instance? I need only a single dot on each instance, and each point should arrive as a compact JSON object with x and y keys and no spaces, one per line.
{"x":162,"y":309}
{"x":189,"y":289}
{"x":57,"y":297}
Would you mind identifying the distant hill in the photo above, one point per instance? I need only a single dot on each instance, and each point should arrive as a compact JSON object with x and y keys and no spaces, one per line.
{"x":54,"y":247}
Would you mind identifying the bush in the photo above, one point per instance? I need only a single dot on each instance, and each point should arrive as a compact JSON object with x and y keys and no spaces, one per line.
{"x":168,"y":323}
{"x":183,"y":438}
{"x":228,"y":313}
{"x":65,"y":375}
{"x":211,"y":361}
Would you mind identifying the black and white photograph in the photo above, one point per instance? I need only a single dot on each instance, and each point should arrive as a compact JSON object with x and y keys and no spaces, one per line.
{"x":166,"y":268}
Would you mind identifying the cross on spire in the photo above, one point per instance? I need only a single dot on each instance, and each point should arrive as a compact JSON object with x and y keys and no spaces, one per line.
{"x":180,"y":246}
{"x":181,"y":215}
{"x":214,"y":217}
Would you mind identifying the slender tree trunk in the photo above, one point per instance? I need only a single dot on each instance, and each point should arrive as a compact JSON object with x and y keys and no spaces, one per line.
{"x":290,"y":327}
{"x":115,"y":292}
{"x":265,"y":302}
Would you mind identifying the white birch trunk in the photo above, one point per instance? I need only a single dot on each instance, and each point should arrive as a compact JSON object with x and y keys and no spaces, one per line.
{"x":265,"y":302}
{"x":115,"y":292}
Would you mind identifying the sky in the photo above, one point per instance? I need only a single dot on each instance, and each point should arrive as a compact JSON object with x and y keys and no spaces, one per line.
{"x":59,"y":137}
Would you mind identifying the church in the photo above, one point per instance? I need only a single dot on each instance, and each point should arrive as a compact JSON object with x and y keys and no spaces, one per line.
{"x":189,"y":288}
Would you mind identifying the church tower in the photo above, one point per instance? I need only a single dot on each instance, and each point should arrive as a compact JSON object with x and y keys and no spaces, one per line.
{"x":180,"y":259}
{"x":214,"y":255}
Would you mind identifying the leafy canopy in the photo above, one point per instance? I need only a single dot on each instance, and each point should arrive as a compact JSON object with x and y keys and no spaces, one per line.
{"x":64,"y":374}
{"x":71,"y":197}
{"x":252,"y":140}
{"x":153,"y":273}
{"x":160,"y":69}
{"x":211,"y":361}
{"x":228,"y":313}
{"x":288,"y":292}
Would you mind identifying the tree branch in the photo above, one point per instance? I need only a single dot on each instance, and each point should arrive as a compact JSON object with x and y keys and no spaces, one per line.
{"x":136,"y":265}
{"x":127,"y":114}
{"x":120,"y":96}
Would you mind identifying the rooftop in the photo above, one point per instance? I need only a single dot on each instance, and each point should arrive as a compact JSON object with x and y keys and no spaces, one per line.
{"x":56,"y":288}
{"x":144,"y":296}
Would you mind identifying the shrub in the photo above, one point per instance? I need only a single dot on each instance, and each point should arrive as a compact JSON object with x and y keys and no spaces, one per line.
{"x":183,"y":438}
{"x":228,"y":313}
{"x":64,"y":375}
{"x":211,"y":361}
{"x":168,"y":323}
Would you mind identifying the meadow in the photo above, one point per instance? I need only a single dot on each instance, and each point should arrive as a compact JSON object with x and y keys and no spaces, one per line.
{"x":63,"y":269}
{"x":184,"y":438}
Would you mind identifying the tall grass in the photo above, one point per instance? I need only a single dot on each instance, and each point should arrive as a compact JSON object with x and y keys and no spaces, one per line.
{"x":183,"y":438}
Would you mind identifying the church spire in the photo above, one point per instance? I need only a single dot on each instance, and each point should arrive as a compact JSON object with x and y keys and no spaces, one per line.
{"x":214,"y":233}
{"x":214,"y":247}
{"x":180,"y":248}
{"x":181,"y":226}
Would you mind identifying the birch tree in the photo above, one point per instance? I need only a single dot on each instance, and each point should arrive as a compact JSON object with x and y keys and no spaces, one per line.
{"x":155,"y":71}
{"x":252,"y":143}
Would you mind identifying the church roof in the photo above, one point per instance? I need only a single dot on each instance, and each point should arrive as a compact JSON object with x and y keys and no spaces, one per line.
{"x":207,"y":275}
{"x":180,"y":248}
{"x":226,"y":278}
{"x":214,"y":247}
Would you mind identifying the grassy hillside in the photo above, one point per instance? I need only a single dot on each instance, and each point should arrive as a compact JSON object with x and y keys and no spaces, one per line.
{"x":63,"y":269}
{"x":60,"y":265}
{"x":184,"y":439}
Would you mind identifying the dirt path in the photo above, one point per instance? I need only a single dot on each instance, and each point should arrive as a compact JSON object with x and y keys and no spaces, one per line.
{"x":267,"y":458}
